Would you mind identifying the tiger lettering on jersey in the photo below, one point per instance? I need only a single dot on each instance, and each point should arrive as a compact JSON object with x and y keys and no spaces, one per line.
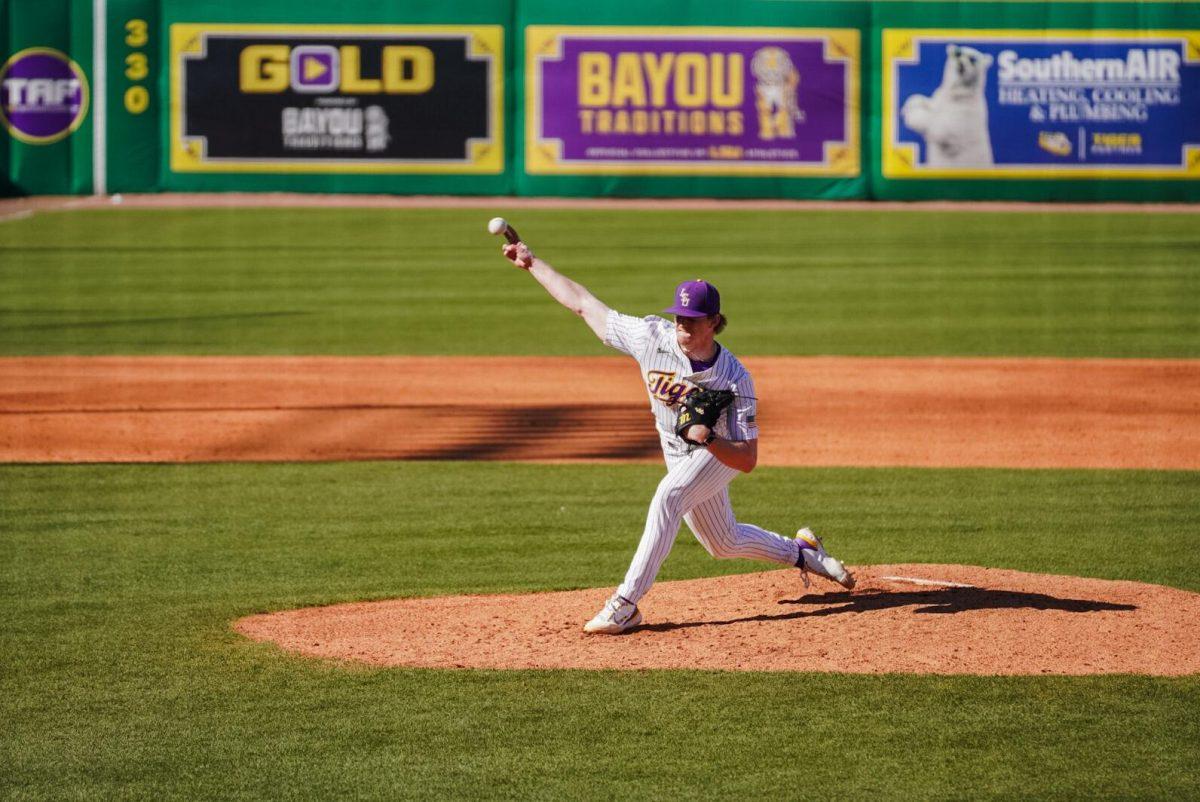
{"x":663,"y":385}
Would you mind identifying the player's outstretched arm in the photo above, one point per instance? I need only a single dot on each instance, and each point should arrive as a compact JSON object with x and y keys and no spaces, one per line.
{"x":569,"y":293}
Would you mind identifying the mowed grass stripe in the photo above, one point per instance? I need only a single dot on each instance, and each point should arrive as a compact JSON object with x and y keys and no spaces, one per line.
{"x":121,"y":676}
{"x":394,"y":281}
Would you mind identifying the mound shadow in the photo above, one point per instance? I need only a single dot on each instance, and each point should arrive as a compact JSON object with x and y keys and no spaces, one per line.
{"x":949,"y":600}
{"x":582,"y":431}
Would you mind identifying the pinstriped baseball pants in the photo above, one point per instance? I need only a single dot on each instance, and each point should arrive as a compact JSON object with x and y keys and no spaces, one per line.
{"x":696,"y":490}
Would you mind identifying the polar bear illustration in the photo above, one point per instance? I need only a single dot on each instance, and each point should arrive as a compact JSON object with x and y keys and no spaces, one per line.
{"x":954,"y":121}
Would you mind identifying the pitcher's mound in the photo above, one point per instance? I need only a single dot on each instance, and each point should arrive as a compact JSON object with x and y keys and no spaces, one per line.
{"x":927,"y":619}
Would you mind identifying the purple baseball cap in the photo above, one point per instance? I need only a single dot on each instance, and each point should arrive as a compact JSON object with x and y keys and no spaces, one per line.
{"x":695,"y":299}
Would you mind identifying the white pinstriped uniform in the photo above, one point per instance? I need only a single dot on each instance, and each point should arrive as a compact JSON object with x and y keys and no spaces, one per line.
{"x":696,"y":487}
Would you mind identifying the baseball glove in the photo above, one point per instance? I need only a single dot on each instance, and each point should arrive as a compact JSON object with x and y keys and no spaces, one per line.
{"x":702,"y":408}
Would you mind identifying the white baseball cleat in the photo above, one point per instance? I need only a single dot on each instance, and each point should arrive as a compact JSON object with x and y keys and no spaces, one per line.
{"x":813,"y":557}
{"x":617,"y":615}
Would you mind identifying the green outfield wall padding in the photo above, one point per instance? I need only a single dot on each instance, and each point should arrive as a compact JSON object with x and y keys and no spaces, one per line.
{"x":833,"y":100}
{"x":135,"y":58}
{"x":46,"y":103}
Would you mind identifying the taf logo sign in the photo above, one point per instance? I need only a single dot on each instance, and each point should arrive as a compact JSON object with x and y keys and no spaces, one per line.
{"x":43,"y":95}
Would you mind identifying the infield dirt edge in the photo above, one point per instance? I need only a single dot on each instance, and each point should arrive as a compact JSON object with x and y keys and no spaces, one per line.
{"x":814,"y":411}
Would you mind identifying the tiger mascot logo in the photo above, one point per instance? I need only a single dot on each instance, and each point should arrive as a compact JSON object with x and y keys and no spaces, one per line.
{"x":776,"y":84}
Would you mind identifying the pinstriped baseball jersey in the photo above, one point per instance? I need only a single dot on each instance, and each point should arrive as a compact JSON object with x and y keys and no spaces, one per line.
{"x":696,"y":487}
{"x":669,"y":378}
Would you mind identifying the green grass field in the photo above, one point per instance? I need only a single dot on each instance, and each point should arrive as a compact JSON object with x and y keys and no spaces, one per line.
{"x":362,"y":281}
{"x":120,"y":675}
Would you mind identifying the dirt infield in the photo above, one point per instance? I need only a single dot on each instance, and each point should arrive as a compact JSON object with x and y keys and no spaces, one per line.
{"x":925,"y":619}
{"x":814,"y":411}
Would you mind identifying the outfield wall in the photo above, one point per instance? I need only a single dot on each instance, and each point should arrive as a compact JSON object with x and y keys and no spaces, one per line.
{"x":832,"y":100}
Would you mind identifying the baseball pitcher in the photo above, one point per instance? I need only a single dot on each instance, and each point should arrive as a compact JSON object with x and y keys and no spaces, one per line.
{"x":704,"y":407}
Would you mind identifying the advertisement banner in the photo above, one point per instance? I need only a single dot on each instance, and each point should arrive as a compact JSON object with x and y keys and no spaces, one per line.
{"x":1041,"y":104}
{"x":691,"y":101}
{"x":337,"y":98}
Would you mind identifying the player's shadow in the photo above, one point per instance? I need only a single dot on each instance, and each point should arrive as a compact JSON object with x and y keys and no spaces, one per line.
{"x":939,"y":600}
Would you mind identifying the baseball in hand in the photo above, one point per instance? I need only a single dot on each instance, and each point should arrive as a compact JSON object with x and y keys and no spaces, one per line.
{"x":498,"y":225}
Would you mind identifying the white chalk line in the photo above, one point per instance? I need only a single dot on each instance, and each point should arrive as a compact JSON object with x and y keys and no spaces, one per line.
{"x":18,"y":215}
{"x":918,"y":581}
